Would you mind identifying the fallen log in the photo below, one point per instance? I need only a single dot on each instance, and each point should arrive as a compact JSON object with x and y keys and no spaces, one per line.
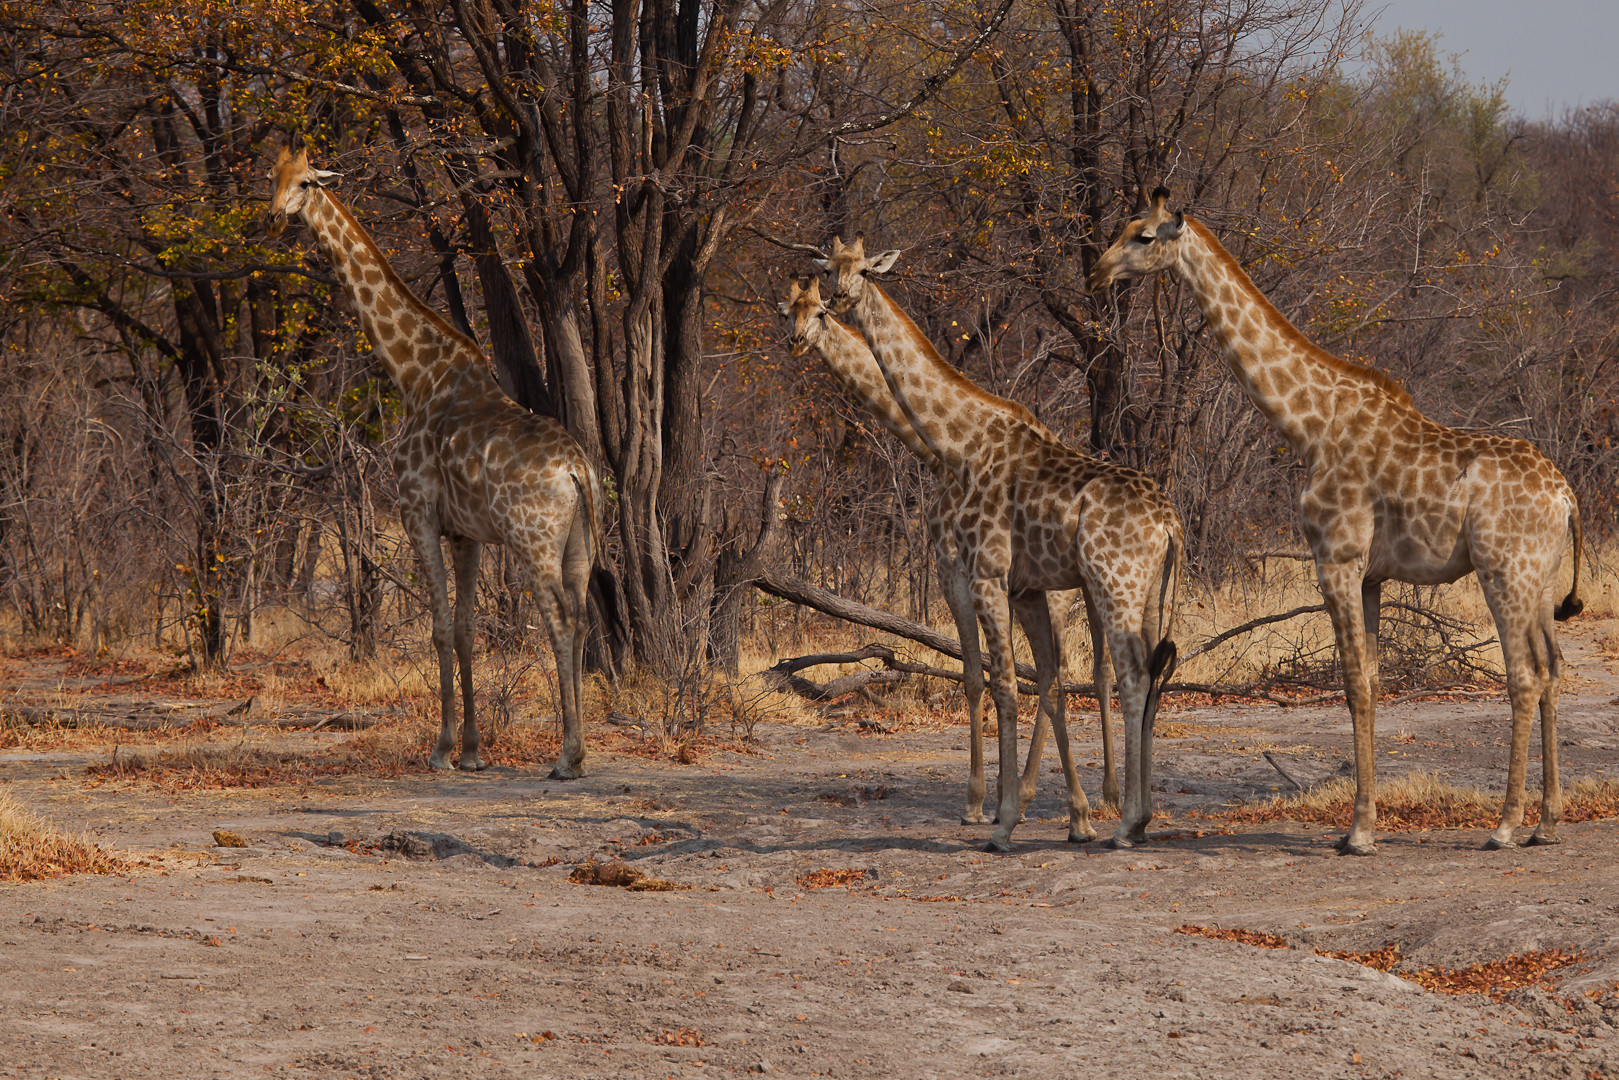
{"x":841,"y":607}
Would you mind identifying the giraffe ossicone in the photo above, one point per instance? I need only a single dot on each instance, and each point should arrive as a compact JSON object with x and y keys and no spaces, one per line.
{"x":1034,"y":515}
{"x":473,"y":467}
{"x":1391,"y":496}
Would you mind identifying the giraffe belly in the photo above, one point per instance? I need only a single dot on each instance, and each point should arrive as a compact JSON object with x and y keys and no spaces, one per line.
{"x":1419,"y":559}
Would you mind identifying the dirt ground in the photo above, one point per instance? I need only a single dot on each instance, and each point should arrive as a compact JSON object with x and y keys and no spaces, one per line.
{"x":426,"y":926}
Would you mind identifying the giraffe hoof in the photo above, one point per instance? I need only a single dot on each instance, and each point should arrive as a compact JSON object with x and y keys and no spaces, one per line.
{"x":997,"y":846}
{"x":560,"y":771}
{"x":1081,"y":837}
{"x":1120,"y":843}
{"x":1346,"y":848}
{"x":439,"y":761}
{"x":472,"y":763}
{"x":1540,"y":839}
{"x":1495,"y":843}
{"x":973,"y":819}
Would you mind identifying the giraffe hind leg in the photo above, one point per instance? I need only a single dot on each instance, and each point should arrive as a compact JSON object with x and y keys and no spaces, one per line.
{"x":1530,"y":680}
{"x":1042,"y":623}
{"x":562,"y":596}
{"x":1102,"y":679}
{"x":465,"y":554}
{"x":1551,"y":790}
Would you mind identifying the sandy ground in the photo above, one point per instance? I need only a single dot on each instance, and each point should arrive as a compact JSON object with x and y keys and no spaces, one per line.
{"x":427,"y":927}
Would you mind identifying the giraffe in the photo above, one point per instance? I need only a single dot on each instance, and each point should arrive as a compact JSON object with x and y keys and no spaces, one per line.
{"x":1391,"y":496}
{"x":845,"y":353}
{"x":473,"y":466}
{"x":1034,"y":516}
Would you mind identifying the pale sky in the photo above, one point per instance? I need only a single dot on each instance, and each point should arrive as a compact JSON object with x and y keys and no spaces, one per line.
{"x":1556,"y":53}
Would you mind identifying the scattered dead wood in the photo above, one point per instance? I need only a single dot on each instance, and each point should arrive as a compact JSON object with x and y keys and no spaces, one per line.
{"x":785,"y":674}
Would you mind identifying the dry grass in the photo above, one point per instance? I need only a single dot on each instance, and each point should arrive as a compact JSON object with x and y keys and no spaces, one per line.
{"x":1421,"y":800}
{"x":31,"y":849}
{"x":252,"y":760}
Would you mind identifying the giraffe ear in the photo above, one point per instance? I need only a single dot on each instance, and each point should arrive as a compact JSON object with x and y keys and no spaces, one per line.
{"x":884,"y":262}
{"x":824,"y":264}
{"x":785,"y":308}
{"x":320,"y":176}
{"x":1170,"y":229}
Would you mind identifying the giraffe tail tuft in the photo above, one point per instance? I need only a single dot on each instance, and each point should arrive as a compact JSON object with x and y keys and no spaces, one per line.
{"x":1572,"y":605}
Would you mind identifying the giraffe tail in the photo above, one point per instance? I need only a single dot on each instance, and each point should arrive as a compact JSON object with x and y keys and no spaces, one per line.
{"x":603,"y":587}
{"x":1162,"y":664}
{"x":1572,"y":605}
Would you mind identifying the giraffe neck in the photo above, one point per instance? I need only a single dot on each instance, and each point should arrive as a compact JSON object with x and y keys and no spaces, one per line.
{"x":416,"y":346}
{"x":851,"y":361}
{"x":956,"y":419}
{"x":1300,"y":388}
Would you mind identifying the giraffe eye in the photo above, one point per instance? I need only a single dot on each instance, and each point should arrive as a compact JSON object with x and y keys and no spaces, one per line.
{"x":1144,"y":238}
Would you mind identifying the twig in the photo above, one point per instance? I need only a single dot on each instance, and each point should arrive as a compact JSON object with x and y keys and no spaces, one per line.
{"x":1285,"y":776}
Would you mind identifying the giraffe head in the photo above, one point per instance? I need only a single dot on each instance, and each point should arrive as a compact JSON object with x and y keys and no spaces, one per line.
{"x":1150,"y":243}
{"x":293,"y":178}
{"x":804,"y":311}
{"x":848,"y":268}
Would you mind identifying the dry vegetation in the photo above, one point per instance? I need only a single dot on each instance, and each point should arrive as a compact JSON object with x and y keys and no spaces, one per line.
{"x":31,"y":849}
{"x":1493,"y":979}
{"x":1421,"y":800}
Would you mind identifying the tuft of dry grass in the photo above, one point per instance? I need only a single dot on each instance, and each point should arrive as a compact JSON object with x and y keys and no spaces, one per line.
{"x":1421,"y":800}
{"x":31,"y":849}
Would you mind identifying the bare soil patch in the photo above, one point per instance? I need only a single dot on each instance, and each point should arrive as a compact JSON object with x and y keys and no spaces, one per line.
{"x":829,"y":915}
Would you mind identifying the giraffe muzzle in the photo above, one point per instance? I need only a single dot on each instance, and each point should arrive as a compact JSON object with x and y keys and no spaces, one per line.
{"x":275,"y":223}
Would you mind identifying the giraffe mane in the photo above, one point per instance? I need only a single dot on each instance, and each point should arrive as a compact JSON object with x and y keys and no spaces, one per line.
{"x":957,"y":380}
{"x":1357,"y":372}
{"x":391,"y":276}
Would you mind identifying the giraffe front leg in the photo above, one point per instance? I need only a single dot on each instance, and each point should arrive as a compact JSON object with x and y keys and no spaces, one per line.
{"x":995,"y":616}
{"x":958,"y":596}
{"x":424,"y":537}
{"x":465,"y":554}
{"x":1348,"y":597}
{"x":1038,"y":616}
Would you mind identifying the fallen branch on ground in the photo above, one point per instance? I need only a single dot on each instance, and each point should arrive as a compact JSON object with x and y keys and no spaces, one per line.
{"x":90,"y":719}
{"x":840,"y":607}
